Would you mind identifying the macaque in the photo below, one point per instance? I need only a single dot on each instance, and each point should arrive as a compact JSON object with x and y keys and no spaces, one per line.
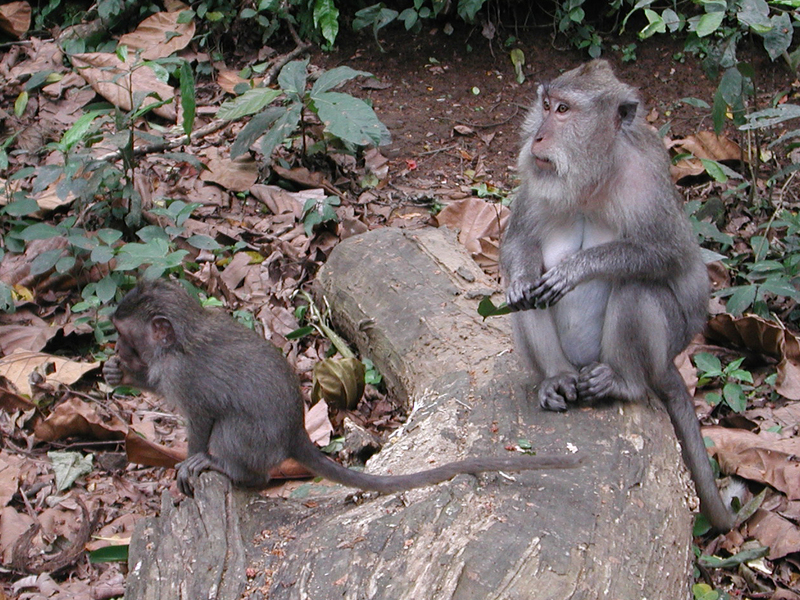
{"x":600,"y":261}
{"x":241,"y":398}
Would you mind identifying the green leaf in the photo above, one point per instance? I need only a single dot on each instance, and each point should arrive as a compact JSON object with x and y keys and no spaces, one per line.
{"x":734,"y":397}
{"x":249,"y":103}
{"x":467,"y":9}
{"x":257,"y":126}
{"x":330,"y":79}
{"x":45,"y":261}
{"x":518,"y":60}
{"x":203,"y":242}
{"x":350,"y":119}
{"x":703,"y":591}
{"x":715,"y":562}
{"x":21,"y":208}
{"x":696,"y":102}
{"x":326,"y":19}
{"x":79,"y":129}
{"x":779,"y":38}
{"x":188,"y":99}
{"x":655,"y":24}
{"x":708,"y":364}
{"x":39,"y":231}
{"x":106,"y":289}
{"x":741,"y":299}
{"x":292,"y":78}
{"x":118,"y":553}
{"x":487,"y":308}
{"x":300,"y":332}
{"x":714,"y":169}
{"x":283,"y":127}
{"x":708,"y":23}
{"x":102,"y":254}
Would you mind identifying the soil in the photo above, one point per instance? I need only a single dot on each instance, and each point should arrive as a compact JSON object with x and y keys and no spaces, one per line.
{"x":432,"y":82}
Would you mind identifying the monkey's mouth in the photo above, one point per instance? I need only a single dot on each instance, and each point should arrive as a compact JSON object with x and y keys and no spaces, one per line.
{"x":544,"y":163}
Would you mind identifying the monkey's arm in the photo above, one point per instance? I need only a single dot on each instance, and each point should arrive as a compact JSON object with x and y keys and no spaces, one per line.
{"x":522,"y":263}
{"x":618,"y":260}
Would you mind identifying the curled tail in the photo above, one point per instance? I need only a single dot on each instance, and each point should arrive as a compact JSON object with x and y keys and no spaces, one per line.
{"x":312,"y":458}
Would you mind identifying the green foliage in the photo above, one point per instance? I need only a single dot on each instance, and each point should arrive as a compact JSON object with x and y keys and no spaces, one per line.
{"x":348,"y":121}
{"x":733,"y":393}
{"x":703,"y":591}
{"x":317,"y":211}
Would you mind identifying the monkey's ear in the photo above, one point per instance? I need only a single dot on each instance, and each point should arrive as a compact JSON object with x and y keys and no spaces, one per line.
{"x":163,"y":332}
{"x":627,"y":111}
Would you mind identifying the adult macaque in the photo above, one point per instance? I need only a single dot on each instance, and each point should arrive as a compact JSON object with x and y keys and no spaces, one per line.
{"x":240,"y":396}
{"x":600,"y":260}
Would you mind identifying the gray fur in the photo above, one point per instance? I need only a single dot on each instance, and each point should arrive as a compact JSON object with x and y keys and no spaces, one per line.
{"x":600,"y":261}
{"x":240,"y":396}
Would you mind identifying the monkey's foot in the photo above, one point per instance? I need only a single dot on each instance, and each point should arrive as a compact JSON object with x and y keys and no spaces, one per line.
{"x":191,"y":468}
{"x":555,"y":392}
{"x":598,"y":381}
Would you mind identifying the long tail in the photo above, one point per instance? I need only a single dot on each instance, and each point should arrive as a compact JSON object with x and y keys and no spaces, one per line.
{"x":310,"y":457}
{"x":679,"y":406}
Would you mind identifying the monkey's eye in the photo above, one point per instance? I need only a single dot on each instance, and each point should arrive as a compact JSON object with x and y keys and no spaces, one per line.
{"x":562,"y":108}
{"x":546,"y":105}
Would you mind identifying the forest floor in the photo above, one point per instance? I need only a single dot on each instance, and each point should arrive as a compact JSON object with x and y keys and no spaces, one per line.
{"x":454,"y":109}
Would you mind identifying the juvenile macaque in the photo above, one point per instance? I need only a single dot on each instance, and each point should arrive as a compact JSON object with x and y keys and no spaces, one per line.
{"x":240,"y":396}
{"x":600,"y":261}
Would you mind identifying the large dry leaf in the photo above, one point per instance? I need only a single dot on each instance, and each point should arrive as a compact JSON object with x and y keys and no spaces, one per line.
{"x":142,"y":451}
{"x":758,"y":457}
{"x":781,"y":535}
{"x":18,"y":366}
{"x":156,"y":35}
{"x":764,"y":337}
{"x":10,"y":469}
{"x":23,"y":330}
{"x":474,"y":219}
{"x":15,"y":18}
{"x":237,"y":175}
{"x":76,"y":418}
{"x":117,"y":82}
{"x":704,"y":144}
{"x":12,"y":525}
{"x":278,"y":200}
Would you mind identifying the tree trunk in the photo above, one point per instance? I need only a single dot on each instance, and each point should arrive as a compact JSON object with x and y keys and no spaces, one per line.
{"x":616,"y":528}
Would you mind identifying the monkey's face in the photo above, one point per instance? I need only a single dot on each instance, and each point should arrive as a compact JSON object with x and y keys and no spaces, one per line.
{"x":132,"y":350}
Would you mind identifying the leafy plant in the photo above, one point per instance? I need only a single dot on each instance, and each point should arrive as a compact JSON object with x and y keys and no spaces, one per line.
{"x":347,"y":120}
{"x":733,"y":393}
{"x":317,"y":211}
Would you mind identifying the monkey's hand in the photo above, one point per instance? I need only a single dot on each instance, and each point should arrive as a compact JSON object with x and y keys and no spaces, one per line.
{"x":518,"y":295}
{"x":112,"y":371}
{"x":552,"y":286}
{"x":555,"y":392}
{"x":190,"y":469}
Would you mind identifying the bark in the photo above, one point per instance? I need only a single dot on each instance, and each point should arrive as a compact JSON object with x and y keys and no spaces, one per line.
{"x":617,"y":528}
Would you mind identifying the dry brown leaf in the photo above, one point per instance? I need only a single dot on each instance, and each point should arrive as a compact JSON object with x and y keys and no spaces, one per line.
{"x":765,"y":337}
{"x":759,"y":457}
{"x":781,"y":535}
{"x":10,"y":469}
{"x":12,"y":525}
{"x":236,"y":270}
{"x":155,"y":36}
{"x":237,"y":175}
{"x":306,"y":178}
{"x":475,"y":219}
{"x":15,"y":18}
{"x":117,"y":82}
{"x":228,"y":79}
{"x":318,"y":426}
{"x":76,"y":418}
{"x":24,"y":330}
{"x":10,"y":400}
{"x":18,"y":366}
{"x":704,"y":144}
{"x":142,"y":451}
{"x":116,"y":533}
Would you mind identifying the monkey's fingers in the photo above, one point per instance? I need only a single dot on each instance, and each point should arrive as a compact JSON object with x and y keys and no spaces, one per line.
{"x":555,"y":392}
{"x":190,"y":469}
{"x":112,"y":372}
{"x":518,"y":296}
{"x":595,"y":382}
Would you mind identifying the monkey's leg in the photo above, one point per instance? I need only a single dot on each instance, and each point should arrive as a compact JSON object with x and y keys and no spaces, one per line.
{"x":643,"y":329}
{"x":538,"y":342}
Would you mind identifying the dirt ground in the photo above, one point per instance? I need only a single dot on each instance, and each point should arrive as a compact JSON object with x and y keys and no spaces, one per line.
{"x":432,"y":83}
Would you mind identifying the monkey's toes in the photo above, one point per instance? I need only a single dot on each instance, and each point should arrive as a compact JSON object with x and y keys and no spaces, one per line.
{"x":555,"y":392}
{"x":595,"y":382}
